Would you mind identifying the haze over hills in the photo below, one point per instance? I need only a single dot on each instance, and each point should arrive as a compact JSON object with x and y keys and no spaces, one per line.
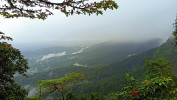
{"x":106,"y":55}
{"x":96,"y":55}
{"x":103,"y":64}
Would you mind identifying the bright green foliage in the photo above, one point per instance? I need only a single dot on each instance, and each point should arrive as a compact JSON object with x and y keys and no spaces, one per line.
{"x":112,"y":96}
{"x":157,"y":88}
{"x":64,"y":85}
{"x":158,"y":68}
{"x":36,"y":97}
{"x":160,"y":83}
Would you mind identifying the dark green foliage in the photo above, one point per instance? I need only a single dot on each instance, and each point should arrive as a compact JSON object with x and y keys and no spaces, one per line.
{"x":11,"y":62}
{"x":96,"y":96}
{"x":92,"y":96}
{"x":12,"y":92}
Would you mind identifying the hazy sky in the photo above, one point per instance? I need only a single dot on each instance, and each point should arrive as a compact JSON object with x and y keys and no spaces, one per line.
{"x":134,"y":20}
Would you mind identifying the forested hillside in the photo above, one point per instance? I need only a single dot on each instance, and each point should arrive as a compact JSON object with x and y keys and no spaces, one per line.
{"x":101,"y":54}
{"x":123,"y":55}
{"x":110,"y":78}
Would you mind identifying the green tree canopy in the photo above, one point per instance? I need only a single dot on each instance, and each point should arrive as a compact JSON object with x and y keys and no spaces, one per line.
{"x":64,"y":85}
{"x":11,"y":62}
{"x":158,"y":68}
{"x":12,"y":92}
{"x":159,"y":84}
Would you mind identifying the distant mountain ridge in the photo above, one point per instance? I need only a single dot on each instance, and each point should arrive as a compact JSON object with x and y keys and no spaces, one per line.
{"x":100,"y":78}
{"x":97,"y":55}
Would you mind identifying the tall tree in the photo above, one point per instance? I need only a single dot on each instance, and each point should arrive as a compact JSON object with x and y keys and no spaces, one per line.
{"x":64,"y":85}
{"x":11,"y":62}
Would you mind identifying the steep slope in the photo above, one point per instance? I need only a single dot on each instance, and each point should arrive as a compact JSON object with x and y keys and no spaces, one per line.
{"x":97,"y":55}
{"x":112,"y":77}
{"x":168,"y":51}
{"x":110,"y":52}
{"x":103,"y":79}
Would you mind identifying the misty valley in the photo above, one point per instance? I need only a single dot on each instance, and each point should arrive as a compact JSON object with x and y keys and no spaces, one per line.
{"x":88,"y":50}
{"x":104,"y":65}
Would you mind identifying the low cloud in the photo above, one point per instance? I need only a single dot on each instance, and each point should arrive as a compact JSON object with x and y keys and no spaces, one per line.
{"x":80,"y":51}
{"x":32,"y":92}
{"x":131,"y":55}
{"x":53,"y":55}
{"x":77,"y":64}
{"x":50,"y":74}
{"x":28,"y":86}
{"x":32,"y":71}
